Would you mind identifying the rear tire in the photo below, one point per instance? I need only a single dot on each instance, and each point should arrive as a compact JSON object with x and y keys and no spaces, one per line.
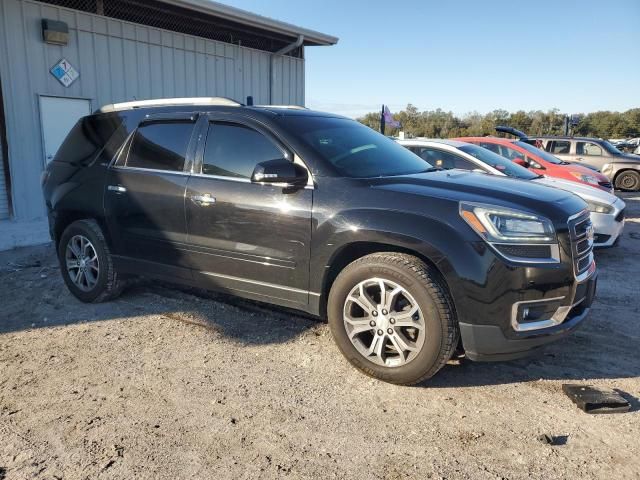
{"x":384,"y":302}
{"x":628,"y":180}
{"x":86,"y":264}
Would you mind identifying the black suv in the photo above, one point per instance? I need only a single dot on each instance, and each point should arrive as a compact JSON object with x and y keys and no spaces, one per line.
{"x":320,"y":213}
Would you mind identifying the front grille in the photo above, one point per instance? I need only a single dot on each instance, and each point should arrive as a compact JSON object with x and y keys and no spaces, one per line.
{"x":620,"y":216}
{"x":581,"y":236}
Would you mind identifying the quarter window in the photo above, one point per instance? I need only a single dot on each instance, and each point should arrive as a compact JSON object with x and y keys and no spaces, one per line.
{"x":560,"y":147}
{"x":588,"y":149}
{"x":160,"y":146}
{"x":233,"y":150}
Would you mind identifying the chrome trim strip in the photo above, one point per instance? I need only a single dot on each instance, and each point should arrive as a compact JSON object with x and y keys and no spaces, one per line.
{"x":140,"y":169}
{"x":256,"y":282}
{"x":533,"y":325}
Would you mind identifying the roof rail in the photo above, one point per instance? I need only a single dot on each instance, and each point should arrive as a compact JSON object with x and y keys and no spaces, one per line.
{"x":158,"y":102}
{"x":294,"y":107}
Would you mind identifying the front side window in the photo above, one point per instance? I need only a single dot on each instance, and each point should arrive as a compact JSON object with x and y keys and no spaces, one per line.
{"x":588,"y":149}
{"x":560,"y":147}
{"x":547,"y":157}
{"x":498,"y":162}
{"x":233,"y":150}
{"x":160,"y":146}
{"x":441,"y":159}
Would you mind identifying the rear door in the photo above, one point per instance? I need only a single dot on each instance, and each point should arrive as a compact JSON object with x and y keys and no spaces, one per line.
{"x":561,"y":149}
{"x":144,"y":197}
{"x":247,"y":238}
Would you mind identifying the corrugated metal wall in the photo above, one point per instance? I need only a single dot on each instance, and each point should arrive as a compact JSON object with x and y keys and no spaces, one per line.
{"x":4,"y":198}
{"x":117,"y":61}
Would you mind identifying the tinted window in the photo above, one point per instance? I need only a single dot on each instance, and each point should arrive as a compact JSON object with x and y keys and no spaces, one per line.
{"x":353,"y":149}
{"x":442,"y":159}
{"x":539,"y":153}
{"x":498,"y":162}
{"x":234,"y":150}
{"x":160,"y":146}
{"x":89,"y":136}
{"x":560,"y":147}
{"x":588,"y":148}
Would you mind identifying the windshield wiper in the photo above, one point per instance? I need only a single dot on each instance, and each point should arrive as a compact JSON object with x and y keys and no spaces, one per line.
{"x":432,"y":169}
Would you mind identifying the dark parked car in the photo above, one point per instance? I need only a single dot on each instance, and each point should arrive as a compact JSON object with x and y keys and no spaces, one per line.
{"x":320,"y":213}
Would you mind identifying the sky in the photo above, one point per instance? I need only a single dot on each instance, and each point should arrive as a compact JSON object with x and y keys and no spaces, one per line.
{"x":465,"y":56}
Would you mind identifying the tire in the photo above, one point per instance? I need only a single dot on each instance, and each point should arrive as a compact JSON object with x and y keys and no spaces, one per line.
{"x":99,"y":281}
{"x":628,"y":180}
{"x":418,"y":285}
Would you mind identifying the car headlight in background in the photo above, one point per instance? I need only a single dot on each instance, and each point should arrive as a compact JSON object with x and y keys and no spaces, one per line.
{"x":596,"y":207}
{"x":583,"y":177}
{"x":505,"y":225}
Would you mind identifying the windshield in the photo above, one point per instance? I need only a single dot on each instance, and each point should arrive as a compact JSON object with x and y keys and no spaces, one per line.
{"x":355,"y":150}
{"x":546,"y":156}
{"x":608,"y":146}
{"x":499,"y":163}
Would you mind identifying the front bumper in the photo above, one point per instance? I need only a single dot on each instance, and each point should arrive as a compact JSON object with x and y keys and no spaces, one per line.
{"x":489,"y":343}
{"x":608,"y":227}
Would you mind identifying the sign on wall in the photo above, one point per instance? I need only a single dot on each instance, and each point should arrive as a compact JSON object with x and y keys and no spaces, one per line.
{"x":64,"y":72}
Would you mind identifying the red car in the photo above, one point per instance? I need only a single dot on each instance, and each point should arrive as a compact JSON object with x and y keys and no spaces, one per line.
{"x":540,"y":161}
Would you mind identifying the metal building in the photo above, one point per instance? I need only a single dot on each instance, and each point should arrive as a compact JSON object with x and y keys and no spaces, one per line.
{"x":62,"y":59}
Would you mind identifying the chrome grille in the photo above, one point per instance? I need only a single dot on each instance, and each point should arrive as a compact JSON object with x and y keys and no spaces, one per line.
{"x":581,"y":236}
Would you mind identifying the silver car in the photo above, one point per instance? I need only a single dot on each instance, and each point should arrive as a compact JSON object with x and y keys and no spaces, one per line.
{"x":607,"y":210}
{"x":623,"y":169}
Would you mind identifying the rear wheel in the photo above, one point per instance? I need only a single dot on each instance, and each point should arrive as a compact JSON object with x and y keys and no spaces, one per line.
{"x":86,"y":263}
{"x":628,"y":180}
{"x":391,"y":316}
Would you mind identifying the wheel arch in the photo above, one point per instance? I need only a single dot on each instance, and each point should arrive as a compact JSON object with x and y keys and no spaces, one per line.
{"x":65,"y":218}
{"x":352,"y":251}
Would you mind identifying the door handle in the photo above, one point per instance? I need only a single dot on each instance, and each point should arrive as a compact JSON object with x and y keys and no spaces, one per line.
{"x":203,"y":200}
{"x":580,"y":159}
{"x":116,"y":188}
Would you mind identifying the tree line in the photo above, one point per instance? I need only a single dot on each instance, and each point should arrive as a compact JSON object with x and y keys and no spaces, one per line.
{"x":441,"y":124}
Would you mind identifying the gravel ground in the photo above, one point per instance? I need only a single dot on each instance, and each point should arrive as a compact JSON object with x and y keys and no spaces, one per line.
{"x":167,"y":383}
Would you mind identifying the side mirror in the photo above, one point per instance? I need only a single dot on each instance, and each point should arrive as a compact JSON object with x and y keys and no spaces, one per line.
{"x":280,"y":170}
{"x":521,"y":161}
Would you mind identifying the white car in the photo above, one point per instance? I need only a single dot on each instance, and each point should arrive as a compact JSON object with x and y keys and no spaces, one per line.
{"x":607,"y":210}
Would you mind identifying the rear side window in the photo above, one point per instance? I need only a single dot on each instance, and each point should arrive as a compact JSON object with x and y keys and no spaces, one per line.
{"x":233,"y":150}
{"x":560,"y":147}
{"x":160,"y":146}
{"x":88,"y":137}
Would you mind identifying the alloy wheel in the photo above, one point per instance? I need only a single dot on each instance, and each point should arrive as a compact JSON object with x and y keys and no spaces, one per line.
{"x":384,"y":322}
{"x":82,"y":263}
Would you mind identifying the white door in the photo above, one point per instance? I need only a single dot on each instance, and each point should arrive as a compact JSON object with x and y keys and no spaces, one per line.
{"x":58,"y":116}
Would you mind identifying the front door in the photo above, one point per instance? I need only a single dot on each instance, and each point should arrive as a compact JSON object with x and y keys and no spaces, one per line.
{"x":247,"y":238}
{"x":144,"y":196}
{"x":58,"y":115}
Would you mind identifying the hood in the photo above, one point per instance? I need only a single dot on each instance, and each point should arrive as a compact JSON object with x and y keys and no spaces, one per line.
{"x":593,"y":194}
{"x":586,"y":171}
{"x":463,"y":185}
{"x":629,"y":157}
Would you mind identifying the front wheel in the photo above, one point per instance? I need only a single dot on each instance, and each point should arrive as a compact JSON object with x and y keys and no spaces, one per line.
{"x":628,"y":180}
{"x":392,"y":318}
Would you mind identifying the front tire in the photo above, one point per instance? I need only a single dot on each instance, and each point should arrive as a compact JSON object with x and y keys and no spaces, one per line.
{"x":628,"y":180}
{"x":86,"y":264}
{"x":392,"y":318}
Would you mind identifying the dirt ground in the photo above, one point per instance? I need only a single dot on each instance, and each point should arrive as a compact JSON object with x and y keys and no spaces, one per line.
{"x":167,"y":383}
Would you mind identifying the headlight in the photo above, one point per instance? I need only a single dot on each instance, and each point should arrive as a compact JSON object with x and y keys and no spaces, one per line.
{"x":596,"y":207}
{"x":583,"y":177}
{"x":504,"y":225}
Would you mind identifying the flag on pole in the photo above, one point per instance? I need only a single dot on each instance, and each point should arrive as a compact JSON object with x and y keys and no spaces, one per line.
{"x":388,"y":118}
